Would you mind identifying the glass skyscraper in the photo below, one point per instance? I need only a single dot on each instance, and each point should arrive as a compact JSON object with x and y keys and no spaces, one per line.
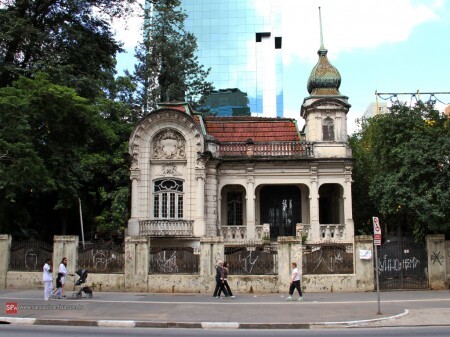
{"x":241,"y":41}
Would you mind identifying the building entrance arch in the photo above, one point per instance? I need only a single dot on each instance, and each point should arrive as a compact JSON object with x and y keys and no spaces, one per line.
{"x":280,"y":206}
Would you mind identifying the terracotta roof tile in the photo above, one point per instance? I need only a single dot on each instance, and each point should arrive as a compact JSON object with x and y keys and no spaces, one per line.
{"x":240,"y":129}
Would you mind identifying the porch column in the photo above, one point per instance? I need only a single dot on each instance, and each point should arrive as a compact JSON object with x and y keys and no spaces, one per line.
{"x":133,"y":222}
{"x":199,"y":225}
{"x":348,"y":212}
{"x":250,"y":194}
{"x":314,"y":205}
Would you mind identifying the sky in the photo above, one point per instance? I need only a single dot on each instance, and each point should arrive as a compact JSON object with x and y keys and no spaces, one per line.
{"x":388,"y":46}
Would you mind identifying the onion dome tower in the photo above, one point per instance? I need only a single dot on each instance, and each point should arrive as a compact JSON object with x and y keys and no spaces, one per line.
{"x":325,"y":110}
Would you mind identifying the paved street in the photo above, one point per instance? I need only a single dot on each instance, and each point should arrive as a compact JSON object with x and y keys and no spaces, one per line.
{"x":319,"y":310}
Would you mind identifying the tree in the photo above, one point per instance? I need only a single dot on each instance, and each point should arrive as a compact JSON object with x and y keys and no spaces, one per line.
{"x":70,"y":40}
{"x":167,"y":68}
{"x":404,"y":156}
{"x":64,"y":132}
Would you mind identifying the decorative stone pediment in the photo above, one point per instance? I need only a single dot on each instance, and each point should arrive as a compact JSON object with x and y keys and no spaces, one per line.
{"x":169,"y":144}
{"x":169,"y":169}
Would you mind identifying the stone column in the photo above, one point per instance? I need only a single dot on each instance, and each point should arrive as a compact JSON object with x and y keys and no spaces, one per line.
{"x":199,"y":224}
{"x":211,"y":216}
{"x":136,"y":263}
{"x":65,"y":246}
{"x":314,"y":205}
{"x":250,"y":195}
{"x":133,"y":223}
{"x":364,"y":267}
{"x":5,"y":250}
{"x":436,"y":261}
{"x":348,"y":211}
{"x":289,"y":250}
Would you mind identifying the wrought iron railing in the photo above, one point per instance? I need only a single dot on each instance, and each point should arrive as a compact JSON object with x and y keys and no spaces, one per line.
{"x":295,"y":149}
{"x":174,"y":260}
{"x":166,"y":227}
{"x":29,"y":255}
{"x":101,"y":257}
{"x":252,"y":259}
{"x":328,"y":259}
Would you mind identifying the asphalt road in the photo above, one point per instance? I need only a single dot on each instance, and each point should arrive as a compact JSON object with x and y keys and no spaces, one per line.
{"x":57,"y":331}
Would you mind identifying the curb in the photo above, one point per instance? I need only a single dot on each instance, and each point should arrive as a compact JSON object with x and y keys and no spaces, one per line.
{"x":191,"y":325}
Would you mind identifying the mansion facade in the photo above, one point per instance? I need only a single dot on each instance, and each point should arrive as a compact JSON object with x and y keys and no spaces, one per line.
{"x":245,"y":178}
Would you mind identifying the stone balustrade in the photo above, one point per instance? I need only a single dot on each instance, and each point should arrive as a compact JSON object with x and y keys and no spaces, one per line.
{"x":161,"y":228}
{"x":294,"y":149}
{"x":239,"y":233}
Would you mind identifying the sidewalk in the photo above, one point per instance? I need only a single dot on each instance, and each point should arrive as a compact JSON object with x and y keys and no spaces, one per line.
{"x":319,"y":310}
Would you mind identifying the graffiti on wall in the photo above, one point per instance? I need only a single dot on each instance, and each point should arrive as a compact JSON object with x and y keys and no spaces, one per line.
{"x":391,"y":264}
{"x":437,"y":257}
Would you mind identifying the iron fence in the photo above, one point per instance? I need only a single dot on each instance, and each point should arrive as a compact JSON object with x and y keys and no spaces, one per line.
{"x":29,"y":255}
{"x":328,"y":259}
{"x":252,"y":259}
{"x":173,"y":260}
{"x":102,"y":257}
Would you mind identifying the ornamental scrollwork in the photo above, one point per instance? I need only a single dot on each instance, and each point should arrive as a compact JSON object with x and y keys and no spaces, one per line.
{"x":169,"y":144}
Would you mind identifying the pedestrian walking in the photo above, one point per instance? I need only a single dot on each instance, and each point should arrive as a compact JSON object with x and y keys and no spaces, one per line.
{"x":295,"y":283}
{"x":58,"y":290}
{"x":224,"y":276}
{"x":47,"y":279}
{"x":219,"y":285}
{"x":63,"y":270}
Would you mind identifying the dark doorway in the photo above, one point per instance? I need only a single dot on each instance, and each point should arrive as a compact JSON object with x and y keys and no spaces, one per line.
{"x":280,"y":207}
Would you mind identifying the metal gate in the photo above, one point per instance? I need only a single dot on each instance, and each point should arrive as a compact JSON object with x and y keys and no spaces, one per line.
{"x":403,"y":264}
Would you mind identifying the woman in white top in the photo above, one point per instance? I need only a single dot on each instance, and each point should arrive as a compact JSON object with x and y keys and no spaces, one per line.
{"x":295,"y":283}
{"x":47,"y":279}
{"x":63,"y":270}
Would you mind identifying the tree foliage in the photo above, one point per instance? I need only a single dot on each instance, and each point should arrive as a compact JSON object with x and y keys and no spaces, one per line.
{"x":68,"y":39}
{"x":167,"y":68}
{"x":64,"y":119}
{"x":402,"y":165}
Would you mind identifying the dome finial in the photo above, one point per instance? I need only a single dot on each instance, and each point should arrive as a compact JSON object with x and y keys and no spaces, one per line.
{"x":324,"y":79}
{"x":321,"y":32}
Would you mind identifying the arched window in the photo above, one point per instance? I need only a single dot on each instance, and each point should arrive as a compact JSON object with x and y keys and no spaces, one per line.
{"x":328,"y":129}
{"x":168,"y":199}
{"x":234,"y":209}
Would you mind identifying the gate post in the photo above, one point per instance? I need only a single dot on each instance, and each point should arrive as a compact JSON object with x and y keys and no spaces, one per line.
{"x":436,"y":261}
{"x":65,"y":246}
{"x":211,"y":250}
{"x":364,"y":268}
{"x":289,"y":250}
{"x":136,"y":263}
{"x":5,"y":251}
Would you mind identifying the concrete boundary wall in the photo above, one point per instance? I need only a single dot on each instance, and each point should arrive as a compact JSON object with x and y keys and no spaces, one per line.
{"x":137,"y":279}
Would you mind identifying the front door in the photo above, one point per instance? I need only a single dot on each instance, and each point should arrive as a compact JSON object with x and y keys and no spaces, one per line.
{"x":280,"y":207}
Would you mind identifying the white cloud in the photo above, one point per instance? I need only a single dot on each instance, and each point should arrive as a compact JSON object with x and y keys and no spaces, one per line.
{"x":129,"y":30}
{"x":350,"y":24}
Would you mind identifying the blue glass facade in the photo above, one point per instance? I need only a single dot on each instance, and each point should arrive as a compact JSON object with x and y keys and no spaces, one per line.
{"x":240,"y":40}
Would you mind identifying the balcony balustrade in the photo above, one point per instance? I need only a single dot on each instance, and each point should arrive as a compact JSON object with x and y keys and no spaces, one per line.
{"x":166,"y":227}
{"x":298,"y":149}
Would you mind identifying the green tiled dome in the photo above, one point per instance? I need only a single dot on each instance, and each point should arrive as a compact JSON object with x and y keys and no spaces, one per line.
{"x":325,"y":79}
